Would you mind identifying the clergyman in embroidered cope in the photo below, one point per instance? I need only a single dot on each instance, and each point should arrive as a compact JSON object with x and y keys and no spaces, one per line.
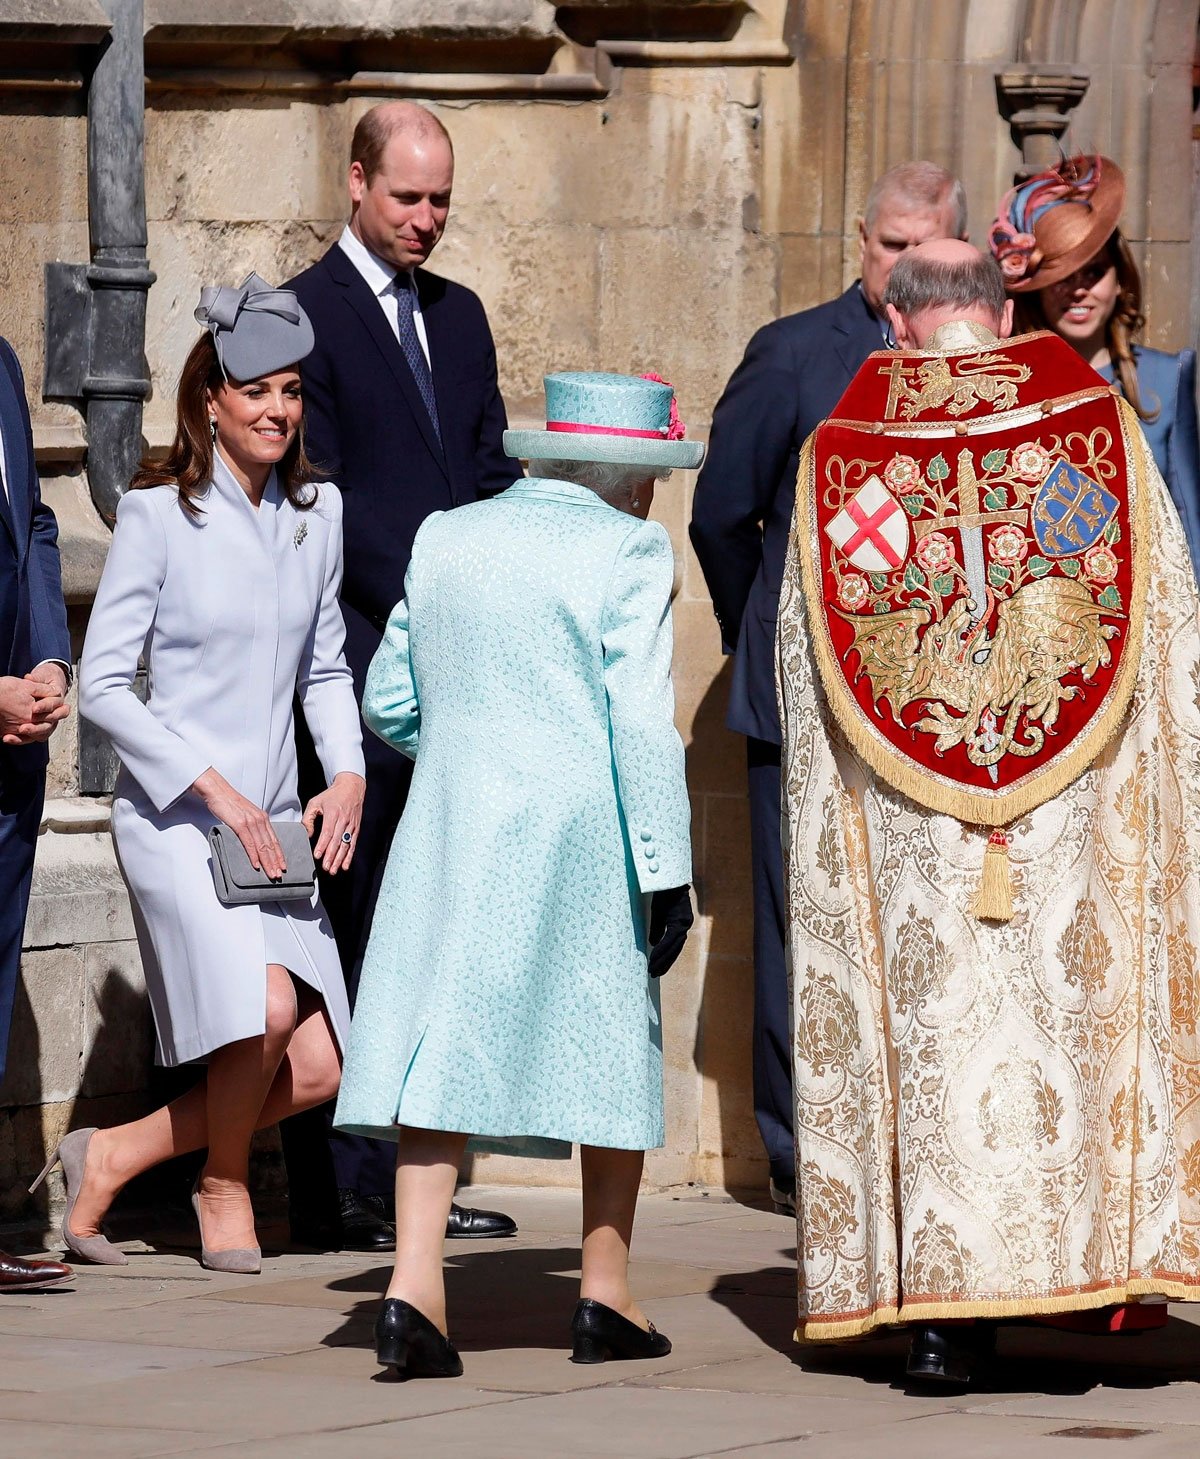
{"x":998,"y":1118}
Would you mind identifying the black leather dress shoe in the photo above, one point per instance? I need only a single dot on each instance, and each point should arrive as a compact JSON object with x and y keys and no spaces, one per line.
{"x":598,"y":1333}
{"x":408,"y":1343}
{"x":464,"y":1222}
{"x":949,"y":1355}
{"x":20,"y":1275}
{"x":358,"y":1227}
{"x":468,"y":1224}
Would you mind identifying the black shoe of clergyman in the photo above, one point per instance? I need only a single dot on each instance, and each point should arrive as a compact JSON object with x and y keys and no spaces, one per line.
{"x":20,"y":1275}
{"x":949,"y":1355}
{"x":598,"y":1333}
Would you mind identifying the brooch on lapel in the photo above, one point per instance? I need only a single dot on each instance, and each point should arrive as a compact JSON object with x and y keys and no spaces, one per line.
{"x":300,"y":535}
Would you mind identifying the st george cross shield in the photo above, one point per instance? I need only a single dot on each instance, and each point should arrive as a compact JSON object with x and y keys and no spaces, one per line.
{"x":871,"y":530}
{"x":973,"y":549}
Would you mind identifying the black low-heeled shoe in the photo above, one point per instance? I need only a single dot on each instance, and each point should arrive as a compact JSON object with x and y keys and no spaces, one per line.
{"x":599,"y":1333}
{"x":949,"y":1354}
{"x":408,"y":1342}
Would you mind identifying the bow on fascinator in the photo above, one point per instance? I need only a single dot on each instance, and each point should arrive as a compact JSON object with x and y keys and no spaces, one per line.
{"x":1012,"y":239}
{"x":220,"y":308}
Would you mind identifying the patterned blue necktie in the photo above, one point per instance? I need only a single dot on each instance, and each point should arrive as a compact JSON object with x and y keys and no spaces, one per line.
{"x":411,"y":345}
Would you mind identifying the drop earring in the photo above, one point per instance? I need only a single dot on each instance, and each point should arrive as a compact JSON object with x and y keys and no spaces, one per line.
{"x":212,"y":428}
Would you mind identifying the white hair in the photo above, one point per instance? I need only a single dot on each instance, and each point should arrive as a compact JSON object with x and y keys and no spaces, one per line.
{"x":612,"y":481}
{"x":922,"y":185}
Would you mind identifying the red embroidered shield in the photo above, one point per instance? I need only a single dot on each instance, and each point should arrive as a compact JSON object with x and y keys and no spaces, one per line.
{"x":973,"y":550}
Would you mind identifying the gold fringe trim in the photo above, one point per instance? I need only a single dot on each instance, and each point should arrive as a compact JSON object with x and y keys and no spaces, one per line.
{"x":936,"y":792}
{"x":840,"y":1329}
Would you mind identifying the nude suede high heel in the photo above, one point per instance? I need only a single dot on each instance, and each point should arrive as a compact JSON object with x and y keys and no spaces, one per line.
{"x":243,"y":1260}
{"x":72,"y":1156}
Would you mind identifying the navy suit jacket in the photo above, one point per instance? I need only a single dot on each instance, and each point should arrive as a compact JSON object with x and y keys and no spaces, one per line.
{"x":367,"y":428}
{"x":792,"y":375}
{"x":33,"y":619}
{"x":1167,"y":383}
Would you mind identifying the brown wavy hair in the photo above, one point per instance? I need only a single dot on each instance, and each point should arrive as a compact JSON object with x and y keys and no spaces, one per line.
{"x":188,"y":465}
{"x":1126,"y":322}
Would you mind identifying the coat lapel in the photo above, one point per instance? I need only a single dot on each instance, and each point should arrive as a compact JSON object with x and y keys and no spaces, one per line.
{"x":14,"y":507}
{"x":366,"y":306}
{"x":858,"y":331}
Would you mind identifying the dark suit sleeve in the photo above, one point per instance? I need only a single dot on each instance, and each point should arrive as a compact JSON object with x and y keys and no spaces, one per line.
{"x":495,"y":471}
{"x":1183,"y":455}
{"x":753,"y":433}
{"x":322,"y":439}
{"x":50,"y":639}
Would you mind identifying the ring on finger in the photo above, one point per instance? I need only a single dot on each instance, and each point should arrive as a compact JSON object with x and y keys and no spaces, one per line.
{"x":347,"y":838}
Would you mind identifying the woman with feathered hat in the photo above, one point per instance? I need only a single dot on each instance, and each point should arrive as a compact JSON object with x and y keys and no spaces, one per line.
{"x":1070,"y":269}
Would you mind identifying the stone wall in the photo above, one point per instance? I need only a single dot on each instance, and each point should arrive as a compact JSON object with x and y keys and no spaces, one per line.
{"x":637,"y":188}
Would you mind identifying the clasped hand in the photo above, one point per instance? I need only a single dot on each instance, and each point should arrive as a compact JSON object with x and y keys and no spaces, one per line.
{"x":32,"y":707}
{"x":339,"y":809}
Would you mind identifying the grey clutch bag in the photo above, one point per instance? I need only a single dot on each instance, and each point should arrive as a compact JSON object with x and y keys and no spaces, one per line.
{"x":236,"y":880}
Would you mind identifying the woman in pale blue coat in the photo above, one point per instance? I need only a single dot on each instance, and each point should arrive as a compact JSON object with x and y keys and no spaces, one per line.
{"x":505,"y":990}
{"x":223,"y":575}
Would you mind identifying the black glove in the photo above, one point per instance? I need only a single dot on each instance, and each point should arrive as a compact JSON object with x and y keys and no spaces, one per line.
{"x":670,"y":919}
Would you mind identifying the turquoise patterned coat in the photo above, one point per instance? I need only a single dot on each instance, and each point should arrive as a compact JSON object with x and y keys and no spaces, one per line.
{"x":504,"y":991}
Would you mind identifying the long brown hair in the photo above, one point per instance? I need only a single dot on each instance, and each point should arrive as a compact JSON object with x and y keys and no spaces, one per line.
{"x":188,"y":465}
{"x":1126,"y":321}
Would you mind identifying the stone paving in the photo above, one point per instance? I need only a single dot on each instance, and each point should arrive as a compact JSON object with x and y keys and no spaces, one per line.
{"x":162,"y":1358}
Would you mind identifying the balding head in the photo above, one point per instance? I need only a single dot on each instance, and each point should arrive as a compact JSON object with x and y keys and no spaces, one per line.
{"x":389,"y":119}
{"x":401,"y":176}
{"x":940,"y":281}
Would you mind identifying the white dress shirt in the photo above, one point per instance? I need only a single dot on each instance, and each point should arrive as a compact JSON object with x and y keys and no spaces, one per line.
{"x":380,"y":278}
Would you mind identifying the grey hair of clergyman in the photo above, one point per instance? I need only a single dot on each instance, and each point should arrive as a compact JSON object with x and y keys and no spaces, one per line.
{"x":917,"y":284}
{"x":921,"y":185}
{"x":612,"y":481}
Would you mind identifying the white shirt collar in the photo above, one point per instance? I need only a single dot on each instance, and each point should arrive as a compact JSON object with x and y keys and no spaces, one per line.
{"x":379,"y":276}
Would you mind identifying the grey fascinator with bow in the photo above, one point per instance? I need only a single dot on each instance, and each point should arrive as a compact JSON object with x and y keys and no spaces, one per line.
{"x":256,"y":329}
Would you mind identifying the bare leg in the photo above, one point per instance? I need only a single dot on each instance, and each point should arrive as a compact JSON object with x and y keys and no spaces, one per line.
{"x":307,"y":1075}
{"x":427,"y":1164}
{"x":239,"y":1076}
{"x":610,"y":1191}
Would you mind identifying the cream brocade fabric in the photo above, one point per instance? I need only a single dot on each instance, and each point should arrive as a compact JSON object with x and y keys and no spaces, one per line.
{"x":998,"y":1118}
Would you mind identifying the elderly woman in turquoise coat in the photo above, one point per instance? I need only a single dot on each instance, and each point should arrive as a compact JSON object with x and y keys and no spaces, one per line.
{"x":539,"y":878}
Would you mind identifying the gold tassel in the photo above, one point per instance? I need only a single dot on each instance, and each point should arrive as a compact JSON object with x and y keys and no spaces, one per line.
{"x":993,"y":901}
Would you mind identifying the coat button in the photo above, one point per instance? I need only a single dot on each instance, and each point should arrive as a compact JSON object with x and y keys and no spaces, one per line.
{"x":653,"y":866}
{"x":649,"y":850}
{"x":646,"y":836}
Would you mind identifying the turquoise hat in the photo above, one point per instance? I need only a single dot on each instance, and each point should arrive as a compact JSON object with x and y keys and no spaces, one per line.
{"x":591,"y":416}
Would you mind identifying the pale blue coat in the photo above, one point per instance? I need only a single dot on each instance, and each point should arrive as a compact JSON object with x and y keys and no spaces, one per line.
{"x":504,"y":991}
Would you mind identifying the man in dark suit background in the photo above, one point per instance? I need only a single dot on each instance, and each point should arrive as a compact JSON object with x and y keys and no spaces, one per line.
{"x":404,"y":413}
{"x":35,"y":658}
{"x":792,"y":375}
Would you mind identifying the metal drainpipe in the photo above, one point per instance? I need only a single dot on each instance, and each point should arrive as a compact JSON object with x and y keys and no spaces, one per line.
{"x":96,"y":313}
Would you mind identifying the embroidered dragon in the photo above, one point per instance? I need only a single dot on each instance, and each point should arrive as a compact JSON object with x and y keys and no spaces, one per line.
{"x":1042,"y":633}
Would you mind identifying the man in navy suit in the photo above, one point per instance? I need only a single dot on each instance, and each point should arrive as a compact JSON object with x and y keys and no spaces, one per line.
{"x":35,"y":667}
{"x":404,"y":413}
{"x":792,"y":375}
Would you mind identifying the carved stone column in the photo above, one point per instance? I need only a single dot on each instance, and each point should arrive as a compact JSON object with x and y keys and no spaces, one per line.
{"x":1037,"y":102}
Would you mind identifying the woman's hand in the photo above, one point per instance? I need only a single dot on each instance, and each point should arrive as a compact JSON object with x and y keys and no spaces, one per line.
{"x":340,"y":810}
{"x":249,"y":822}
